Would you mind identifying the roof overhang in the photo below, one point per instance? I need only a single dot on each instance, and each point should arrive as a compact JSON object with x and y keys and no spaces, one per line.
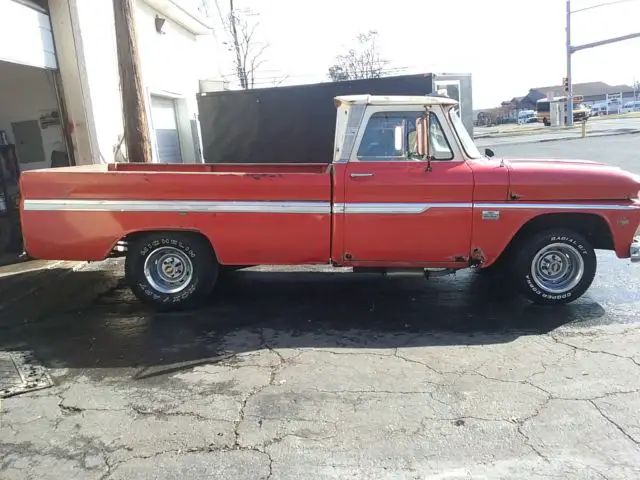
{"x":176,"y":11}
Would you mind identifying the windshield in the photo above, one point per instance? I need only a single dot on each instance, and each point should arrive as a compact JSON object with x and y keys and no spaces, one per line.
{"x":465,"y":140}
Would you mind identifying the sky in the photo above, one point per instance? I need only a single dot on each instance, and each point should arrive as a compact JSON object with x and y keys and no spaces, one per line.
{"x":509,"y":46}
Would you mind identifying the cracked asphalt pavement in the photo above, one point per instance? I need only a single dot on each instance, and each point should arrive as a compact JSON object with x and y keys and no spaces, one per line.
{"x":318,"y":374}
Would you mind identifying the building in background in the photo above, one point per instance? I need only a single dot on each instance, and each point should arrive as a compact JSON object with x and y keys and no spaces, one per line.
{"x":592,"y":93}
{"x":60,"y":85}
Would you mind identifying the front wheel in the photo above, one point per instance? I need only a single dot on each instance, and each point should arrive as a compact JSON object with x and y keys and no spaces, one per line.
{"x":171,"y":270}
{"x":554,"y":267}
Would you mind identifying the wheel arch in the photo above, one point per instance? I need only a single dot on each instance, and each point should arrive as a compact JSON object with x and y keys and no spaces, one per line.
{"x":595,"y":228}
{"x":121,"y":246}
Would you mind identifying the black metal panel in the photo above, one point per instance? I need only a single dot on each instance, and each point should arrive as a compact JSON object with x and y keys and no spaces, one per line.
{"x":293,"y":124}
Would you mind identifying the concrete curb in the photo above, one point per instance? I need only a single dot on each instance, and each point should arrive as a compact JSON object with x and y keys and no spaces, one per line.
{"x":535,"y":130}
{"x":562,"y":138}
{"x":595,"y":135}
{"x":516,"y":133}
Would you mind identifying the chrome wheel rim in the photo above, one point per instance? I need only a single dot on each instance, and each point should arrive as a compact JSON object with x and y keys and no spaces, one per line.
{"x":557,"y":268}
{"x":168,"y":270}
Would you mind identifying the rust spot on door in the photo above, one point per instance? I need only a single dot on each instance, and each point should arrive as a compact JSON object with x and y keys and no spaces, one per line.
{"x":477,"y":256}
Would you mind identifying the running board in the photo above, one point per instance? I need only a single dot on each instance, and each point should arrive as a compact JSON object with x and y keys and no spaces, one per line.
{"x":426,"y":272}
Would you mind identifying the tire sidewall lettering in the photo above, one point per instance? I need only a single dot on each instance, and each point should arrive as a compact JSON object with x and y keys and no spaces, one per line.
{"x":562,"y":297}
{"x":182,"y":296}
{"x":534,"y":288}
{"x":571,"y":241}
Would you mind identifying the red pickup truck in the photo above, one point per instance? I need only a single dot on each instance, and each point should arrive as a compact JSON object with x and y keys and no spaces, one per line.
{"x":407,"y":189}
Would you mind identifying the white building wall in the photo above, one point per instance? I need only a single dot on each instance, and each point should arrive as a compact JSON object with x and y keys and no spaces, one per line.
{"x":97,"y":34}
{"x":172,"y":65}
{"x":78,"y":107}
{"x":85,"y":46}
{"x":171,"y":68}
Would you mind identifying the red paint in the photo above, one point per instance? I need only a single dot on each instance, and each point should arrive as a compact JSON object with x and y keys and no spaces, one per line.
{"x":436,"y":237}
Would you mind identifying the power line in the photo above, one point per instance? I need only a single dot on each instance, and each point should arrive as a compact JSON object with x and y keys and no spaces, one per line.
{"x":260,"y":77}
{"x":219,"y":11}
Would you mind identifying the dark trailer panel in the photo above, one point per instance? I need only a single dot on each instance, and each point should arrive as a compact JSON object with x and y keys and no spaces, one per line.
{"x":293,"y":124}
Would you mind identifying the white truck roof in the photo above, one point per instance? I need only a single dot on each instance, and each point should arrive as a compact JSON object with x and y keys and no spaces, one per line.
{"x":395,"y":100}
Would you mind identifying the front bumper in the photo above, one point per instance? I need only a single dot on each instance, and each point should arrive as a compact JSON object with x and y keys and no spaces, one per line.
{"x":634,"y":250}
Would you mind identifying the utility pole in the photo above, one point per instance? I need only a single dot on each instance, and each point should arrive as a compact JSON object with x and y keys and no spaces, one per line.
{"x":569,"y":121}
{"x":571,"y":50}
{"x":236,"y":46}
{"x":136,"y":127}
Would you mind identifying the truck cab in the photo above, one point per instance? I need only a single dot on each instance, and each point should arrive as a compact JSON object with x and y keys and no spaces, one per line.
{"x":399,"y":159}
{"x":406,"y":189}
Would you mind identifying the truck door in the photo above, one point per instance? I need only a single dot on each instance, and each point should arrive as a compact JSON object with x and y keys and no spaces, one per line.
{"x":400,"y":208}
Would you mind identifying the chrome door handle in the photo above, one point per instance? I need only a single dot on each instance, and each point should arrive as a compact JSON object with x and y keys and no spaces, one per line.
{"x":357,"y":175}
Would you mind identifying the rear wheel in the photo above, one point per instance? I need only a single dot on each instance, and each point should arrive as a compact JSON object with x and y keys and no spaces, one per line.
{"x":554,"y":267}
{"x":171,"y":270}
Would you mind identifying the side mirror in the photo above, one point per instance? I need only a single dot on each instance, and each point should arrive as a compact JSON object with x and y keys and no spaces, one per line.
{"x":488,"y":152}
{"x":422,"y":127}
{"x":397,"y":138}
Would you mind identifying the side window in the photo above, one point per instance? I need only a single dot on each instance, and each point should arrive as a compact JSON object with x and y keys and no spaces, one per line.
{"x":379,"y":141}
{"x":439,"y":147}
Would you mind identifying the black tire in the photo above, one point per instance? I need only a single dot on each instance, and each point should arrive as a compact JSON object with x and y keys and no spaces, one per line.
{"x":525,"y":255}
{"x":499,"y":268}
{"x":196,"y":287}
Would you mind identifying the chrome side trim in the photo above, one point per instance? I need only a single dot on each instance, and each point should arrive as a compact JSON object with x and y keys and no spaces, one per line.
{"x":206,"y":206}
{"x":393,"y":208}
{"x":338,"y":208}
{"x":196,"y":206}
{"x":556,"y":206}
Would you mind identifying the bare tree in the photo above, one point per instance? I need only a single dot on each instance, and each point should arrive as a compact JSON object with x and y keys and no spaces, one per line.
{"x":363,"y":61}
{"x":248,"y":52}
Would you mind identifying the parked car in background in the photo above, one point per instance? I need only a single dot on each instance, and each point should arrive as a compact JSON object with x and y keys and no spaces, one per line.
{"x":524,"y":116}
{"x":598,"y":109}
{"x":633,"y":106}
{"x":544,"y":107}
{"x":614,"y":107}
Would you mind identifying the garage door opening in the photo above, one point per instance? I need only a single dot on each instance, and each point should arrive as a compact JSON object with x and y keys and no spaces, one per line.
{"x":165,"y":126}
{"x":31,"y":137}
{"x":30,"y":117}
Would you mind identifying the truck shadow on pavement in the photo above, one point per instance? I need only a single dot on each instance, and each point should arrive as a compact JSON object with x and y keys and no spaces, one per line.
{"x":90,"y":320}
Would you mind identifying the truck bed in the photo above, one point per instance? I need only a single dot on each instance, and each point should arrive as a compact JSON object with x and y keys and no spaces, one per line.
{"x":76,"y":213}
{"x":247,"y":168}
